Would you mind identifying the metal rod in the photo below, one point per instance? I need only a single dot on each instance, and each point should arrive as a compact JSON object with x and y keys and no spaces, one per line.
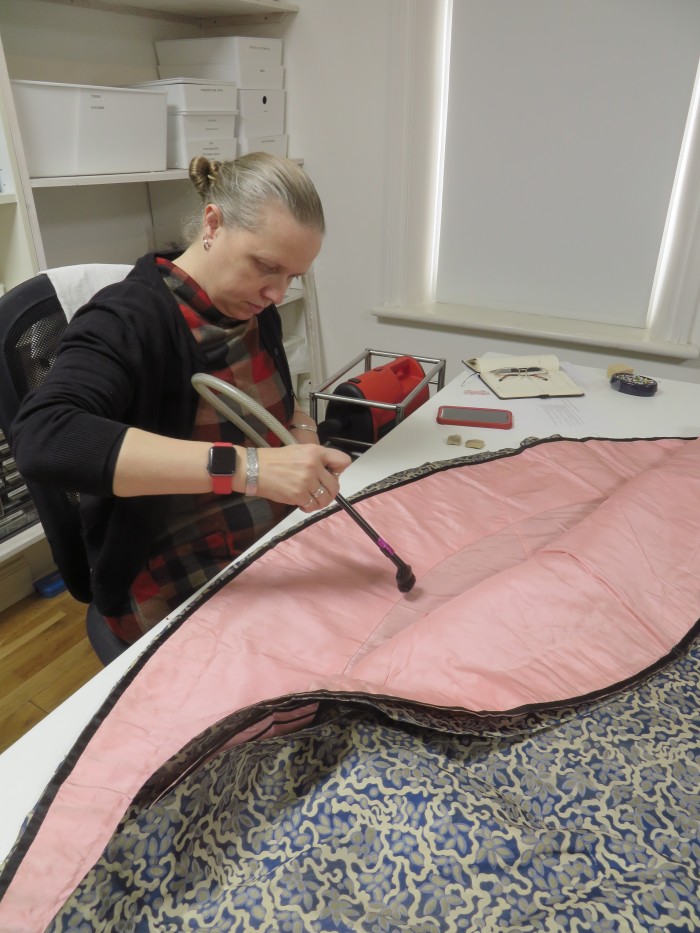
{"x":384,"y":547}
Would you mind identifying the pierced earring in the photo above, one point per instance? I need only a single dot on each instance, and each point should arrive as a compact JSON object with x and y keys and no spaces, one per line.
{"x":206,"y":243}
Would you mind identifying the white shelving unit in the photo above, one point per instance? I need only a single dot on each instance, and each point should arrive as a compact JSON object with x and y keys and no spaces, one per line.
{"x":203,"y":13}
{"x":55,"y":221}
{"x":19,"y":542}
{"x":55,"y":203}
{"x":18,"y":258}
{"x":118,"y":217}
{"x":72,"y":181}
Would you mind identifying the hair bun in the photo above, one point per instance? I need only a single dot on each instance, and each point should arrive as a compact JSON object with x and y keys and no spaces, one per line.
{"x":203,"y":173}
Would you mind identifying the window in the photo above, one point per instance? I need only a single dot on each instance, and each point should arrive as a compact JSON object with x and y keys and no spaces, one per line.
{"x":571,"y":182}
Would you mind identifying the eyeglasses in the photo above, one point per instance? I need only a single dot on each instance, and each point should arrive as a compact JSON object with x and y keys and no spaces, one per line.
{"x":535,"y":371}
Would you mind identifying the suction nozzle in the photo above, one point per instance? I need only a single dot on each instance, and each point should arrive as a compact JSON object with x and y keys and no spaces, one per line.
{"x":405,"y":579}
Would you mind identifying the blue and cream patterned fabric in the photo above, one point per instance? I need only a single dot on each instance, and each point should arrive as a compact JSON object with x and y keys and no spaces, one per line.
{"x":383,"y":817}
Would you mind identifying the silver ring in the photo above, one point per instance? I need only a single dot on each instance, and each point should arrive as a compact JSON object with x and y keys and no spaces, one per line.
{"x":310,"y":502}
{"x":319,"y":492}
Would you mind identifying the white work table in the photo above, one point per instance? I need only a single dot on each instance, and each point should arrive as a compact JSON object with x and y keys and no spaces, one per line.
{"x":28,"y":765}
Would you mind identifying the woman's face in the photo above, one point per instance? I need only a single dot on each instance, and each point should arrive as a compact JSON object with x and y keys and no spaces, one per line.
{"x":245,"y":271}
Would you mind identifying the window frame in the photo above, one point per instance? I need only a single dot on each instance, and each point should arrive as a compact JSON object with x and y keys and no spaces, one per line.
{"x":419,"y":66}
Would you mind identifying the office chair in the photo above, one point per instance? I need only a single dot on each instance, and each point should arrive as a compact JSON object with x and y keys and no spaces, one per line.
{"x":33,"y":316}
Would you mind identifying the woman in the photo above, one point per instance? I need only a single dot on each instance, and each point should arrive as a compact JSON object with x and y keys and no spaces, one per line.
{"x":169,"y":492}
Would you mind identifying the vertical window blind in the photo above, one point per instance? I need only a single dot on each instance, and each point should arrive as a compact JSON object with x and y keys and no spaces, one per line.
{"x":565,"y":120}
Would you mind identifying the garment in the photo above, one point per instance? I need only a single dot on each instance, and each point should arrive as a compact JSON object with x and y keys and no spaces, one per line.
{"x":204,"y":532}
{"x":126,"y":359}
{"x":507,"y":769}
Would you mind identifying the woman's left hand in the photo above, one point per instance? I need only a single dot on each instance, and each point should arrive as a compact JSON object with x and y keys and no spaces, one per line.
{"x":303,"y":429}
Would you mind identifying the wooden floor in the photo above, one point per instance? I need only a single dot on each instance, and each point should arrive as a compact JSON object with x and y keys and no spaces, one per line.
{"x":44,"y":657}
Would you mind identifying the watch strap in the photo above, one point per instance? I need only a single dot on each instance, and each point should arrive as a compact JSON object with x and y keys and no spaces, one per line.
{"x":221,"y":467}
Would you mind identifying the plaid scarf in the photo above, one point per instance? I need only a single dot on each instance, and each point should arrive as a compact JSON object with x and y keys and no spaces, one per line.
{"x":204,"y":533}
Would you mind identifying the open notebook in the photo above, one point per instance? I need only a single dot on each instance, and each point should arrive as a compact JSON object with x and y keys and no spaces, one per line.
{"x":524,"y":376}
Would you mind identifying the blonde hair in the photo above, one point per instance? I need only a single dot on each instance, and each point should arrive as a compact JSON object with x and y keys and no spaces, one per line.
{"x":241,"y":188}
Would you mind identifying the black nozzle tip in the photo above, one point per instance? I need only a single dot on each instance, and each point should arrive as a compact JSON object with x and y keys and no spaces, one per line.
{"x":405,"y":579}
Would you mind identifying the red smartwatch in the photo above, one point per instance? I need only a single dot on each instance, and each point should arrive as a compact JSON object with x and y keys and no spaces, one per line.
{"x":221,"y":467}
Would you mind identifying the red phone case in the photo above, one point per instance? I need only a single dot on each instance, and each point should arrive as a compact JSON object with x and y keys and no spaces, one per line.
{"x":470,"y":422}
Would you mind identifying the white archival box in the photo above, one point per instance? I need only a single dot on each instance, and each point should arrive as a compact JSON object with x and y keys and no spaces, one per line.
{"x":243,"y":73}
{"x":260,"y":112}
{"x":208,"y":134}
{"x":78,"y":129}
{"x":182,"y":149}
{"x":200,"y":125}
{"x":195,"y":95}
{"x":262,"y":49}
{"x":277,"y":145}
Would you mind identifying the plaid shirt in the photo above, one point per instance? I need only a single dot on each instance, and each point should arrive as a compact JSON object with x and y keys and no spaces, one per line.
{"x":205,"y":532}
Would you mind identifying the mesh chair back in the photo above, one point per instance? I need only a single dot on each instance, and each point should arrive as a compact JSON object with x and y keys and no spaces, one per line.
{"x":31,"y":324}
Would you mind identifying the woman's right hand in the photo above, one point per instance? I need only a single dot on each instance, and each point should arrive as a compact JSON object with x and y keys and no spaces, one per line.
{"x":305,"y":475}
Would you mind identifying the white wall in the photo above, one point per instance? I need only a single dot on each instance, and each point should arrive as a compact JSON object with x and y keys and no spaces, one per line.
{"x":338,"y":112}
{"x":341,"y":61}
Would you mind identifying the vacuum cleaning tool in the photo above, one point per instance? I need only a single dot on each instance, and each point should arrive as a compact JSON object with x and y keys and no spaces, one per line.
{"x":405,"y":577}
{"x":207,"y":386}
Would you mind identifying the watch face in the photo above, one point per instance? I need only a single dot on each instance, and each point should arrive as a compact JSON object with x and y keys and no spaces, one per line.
{"x":222,"y":461}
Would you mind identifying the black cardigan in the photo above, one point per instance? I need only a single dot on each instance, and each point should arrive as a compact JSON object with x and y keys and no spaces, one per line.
{"x":125,"y":360}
